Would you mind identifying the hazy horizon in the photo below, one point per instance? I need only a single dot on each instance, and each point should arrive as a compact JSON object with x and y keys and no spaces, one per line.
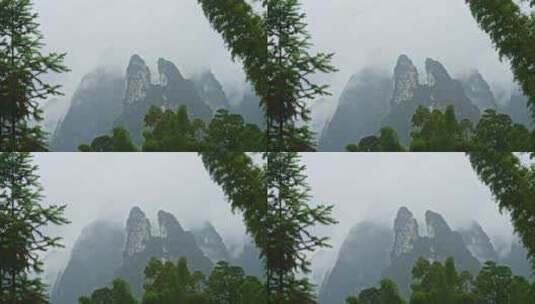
{"x":371,"y":187}
{"x":105,"y":186}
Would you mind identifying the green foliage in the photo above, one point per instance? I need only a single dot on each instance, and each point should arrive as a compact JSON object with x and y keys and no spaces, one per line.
{"x":274,"y":48}
{"x":23,"y":219}
{"x":387,"y":141}
{"x":440,"y":283}
{"x":497,"y":132}
{"x":170,"y":131}
{"x":513,"y":187}
{"x":228,"y":285}
{"x":289,"y":65}
{"x":170,"y":283}
{"x":290,"y":215}
{"x":119,"y":141}
{"x":513,"y":33}
{"x":118,"y":293}
{"x":438,"y":131}
{"x":22,"y":70}
{"x":167,"y":283}
{"x":229,"y":132}
{"x":387,"y":293}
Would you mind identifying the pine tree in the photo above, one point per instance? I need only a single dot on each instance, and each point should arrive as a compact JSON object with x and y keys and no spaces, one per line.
{"x":22,"y":219}
{"x":290,"y":65}
{"x":289,"y":219}
{"x":22,"y":68}
{"x":274,"y":47}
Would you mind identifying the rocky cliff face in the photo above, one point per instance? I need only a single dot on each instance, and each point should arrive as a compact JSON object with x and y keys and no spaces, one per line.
{"x":211,"y":243}
{"x":138,"y":81}
{"x":406,"y":81}
{"x":362,"y":257}
{"x":448,"y":243}
{"x":93,"y":109}
{"x":172,"y":91}
{"x":92,"y":264}
{"x":478,"y":242}
{"x":170,"y":244}
{"x":370,"y":102}
{"x":362,"y":106}
{"x":211,"y":91}
{"x":439,"y":91}
{"x":478,"y":90}
{"x":440,"y":243}
{"x":138,"y":231}
{"x":448,"y":91}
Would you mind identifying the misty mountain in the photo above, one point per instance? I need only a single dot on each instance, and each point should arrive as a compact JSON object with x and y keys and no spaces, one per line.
{"x":478,"y":242}
{"x":211,"y":243}
{"x":94,"y":258}
{"x":53,"y":111}
{"x":372,"y":252}
{"x":249,"y":108}
{"x":438,"y":91}
{"x":362,"y":257}
{"x":249,"y":260}
{"x":440,"y":243}
{"x":105,"y":99}
{"x":172,"y":91}
{"x":211,"y":91}
{"x":363,"y":104}
{"x":93,"y":110}
{"x":479,"y":91}
{"x":517,"y":109}
{"x":372,"y":100}
{"x":517,"y":260}
{"x":172,"y":243}
{"x":105,"y":251}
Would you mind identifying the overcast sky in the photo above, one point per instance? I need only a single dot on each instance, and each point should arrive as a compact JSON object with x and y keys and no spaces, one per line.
{"x":109,"y":32}
{"x":107,"y":185}
{"x":360,"y":32}
{"x":372,"y":187}
{"x":375,"y":32}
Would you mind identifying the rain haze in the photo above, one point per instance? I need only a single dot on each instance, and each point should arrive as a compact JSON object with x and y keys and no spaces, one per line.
{"x":106,"y":186}
{"x":107,"y":33}
{"x":373,"y":33}
{"x":361,"y":33}
{"x":373,"y":186}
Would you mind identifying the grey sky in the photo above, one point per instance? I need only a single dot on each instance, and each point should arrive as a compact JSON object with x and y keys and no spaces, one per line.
{"x":375,"y":32}
{"x":105,"y":186}
{"x":373,"y":186}
{"x":108,"y":32}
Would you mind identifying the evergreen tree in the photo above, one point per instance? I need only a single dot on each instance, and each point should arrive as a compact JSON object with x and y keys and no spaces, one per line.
{"x":289,"y":218}
{"x":23,"y":216}
{"x":274,"y":47}
{"x":22,"y":71}
{"x":290,"y":65}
